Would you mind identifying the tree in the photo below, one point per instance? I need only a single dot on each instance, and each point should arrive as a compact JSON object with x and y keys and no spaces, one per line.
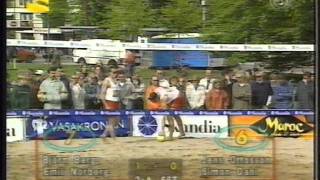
{"x":125,"y":18}
{"x":182,"y":16}
{"x":58,"y":11}
{"x":257,"y":22}
{"x":87,"y":13}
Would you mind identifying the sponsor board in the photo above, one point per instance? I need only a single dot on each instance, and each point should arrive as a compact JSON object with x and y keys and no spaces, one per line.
{"x":165,"y":46}
{"x":15,"y":129}
{"x":194,"y":126}
{"x":58,"y":126}
{"x":273,"y":125}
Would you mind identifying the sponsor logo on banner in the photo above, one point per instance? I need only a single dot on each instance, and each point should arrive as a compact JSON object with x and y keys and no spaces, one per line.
{"x":15,"y":129}
{"x":241,"y":142}
{"x":282,"y":126}
{"x":201,"y":126}
{"x":38,"y":126}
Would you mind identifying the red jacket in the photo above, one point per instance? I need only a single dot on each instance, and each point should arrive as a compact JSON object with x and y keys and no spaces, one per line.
{"x":217,"y":99}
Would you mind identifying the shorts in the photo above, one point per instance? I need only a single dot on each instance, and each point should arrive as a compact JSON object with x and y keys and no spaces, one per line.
{"x":111,"y":105}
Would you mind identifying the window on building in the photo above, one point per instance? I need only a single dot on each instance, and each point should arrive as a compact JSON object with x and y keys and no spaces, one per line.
{"x":27,"y":36}
{"x":10,"y":3}
{"x":24,"y":2}
{"x":11,"y":34}
{"x":10,"y":16}
{"x":25,"y":16}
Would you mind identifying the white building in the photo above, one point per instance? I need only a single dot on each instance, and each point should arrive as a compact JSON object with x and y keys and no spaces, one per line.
{"x":21,"y":24}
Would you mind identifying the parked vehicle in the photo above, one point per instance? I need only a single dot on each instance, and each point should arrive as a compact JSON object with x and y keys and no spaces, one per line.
{"x":110,"y":52}
{"x":25,"y":55}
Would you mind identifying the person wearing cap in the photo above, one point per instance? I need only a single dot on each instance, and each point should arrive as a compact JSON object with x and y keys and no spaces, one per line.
{"x":208,"y":80}
{"x":110,"y":97}
{"x":261,"y":92}
{"x":241,"y":92}
{"x":217,"y":97}
{"x":305,"y":92}
{"x":283,"y":93}
{"x":154,"y":84}
{"x":52,"y":91}
{"x":21,"y":94}
{"x":195,"y":94}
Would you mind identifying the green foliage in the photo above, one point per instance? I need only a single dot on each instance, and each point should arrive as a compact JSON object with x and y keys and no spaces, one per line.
{"x":257,"y":22}
{"x":247,"y":21}
{"x":57,"y":14}
{"x":125,"y":18}
{"x":87,"y":13}
{"x":182,"y":16}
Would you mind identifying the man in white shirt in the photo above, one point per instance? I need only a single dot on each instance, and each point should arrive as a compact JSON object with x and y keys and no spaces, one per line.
{"x":195,"y":93}
{"x":52,"y":91}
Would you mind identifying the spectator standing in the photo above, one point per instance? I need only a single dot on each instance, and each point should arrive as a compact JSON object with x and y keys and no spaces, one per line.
{"x":136,"y":97}
{"x":21,"y":94}
{"x":92,"y":90}
{"x":261,"y":92}
{"x":282,"y":94}
{"x":208,"y":80}
{"x":130,"y":62}
{"x":229,"y":80}
{"x":217,"y":97}
{"x":99,"y":73}
{"x":52,"y":91}
{"x":66,"y":104}
{"x":78,"y":94}
{"x":125,"y":88}
{"x":195,"y":94}
{"x":305,"y":92}
{"x":241,"y":92}
{"x":56,"y":58}
{"x":154,"y":84}
{"x":37,"y":77}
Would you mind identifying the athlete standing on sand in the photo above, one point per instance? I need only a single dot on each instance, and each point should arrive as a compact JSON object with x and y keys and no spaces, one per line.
{"x":110,"y":97}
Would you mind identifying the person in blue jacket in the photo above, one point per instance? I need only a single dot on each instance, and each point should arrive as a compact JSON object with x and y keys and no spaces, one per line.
{"x":283,"y":94}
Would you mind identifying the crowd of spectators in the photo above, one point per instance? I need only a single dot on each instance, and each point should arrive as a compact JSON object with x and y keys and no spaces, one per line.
{"x":99,"y":87}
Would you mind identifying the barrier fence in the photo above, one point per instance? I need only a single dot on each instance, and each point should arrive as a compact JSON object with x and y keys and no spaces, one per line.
{"x":57,"y":124}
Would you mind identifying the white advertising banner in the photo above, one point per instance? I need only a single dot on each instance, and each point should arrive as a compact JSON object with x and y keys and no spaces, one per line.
{"x":194,"y":126}
{"x":162,"y":46}
{"x":15,"y":129}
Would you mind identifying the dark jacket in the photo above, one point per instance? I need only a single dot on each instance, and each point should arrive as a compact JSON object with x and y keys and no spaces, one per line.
{"x":305,"y":95}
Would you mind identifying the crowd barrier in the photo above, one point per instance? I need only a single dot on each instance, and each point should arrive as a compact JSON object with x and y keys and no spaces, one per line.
{"x":57,"y":124}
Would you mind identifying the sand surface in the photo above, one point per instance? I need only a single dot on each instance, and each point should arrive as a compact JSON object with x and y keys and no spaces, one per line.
{"x":292,"y":159}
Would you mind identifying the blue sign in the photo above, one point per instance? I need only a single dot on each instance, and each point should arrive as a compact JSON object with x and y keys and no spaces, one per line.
{"x":61,"y":125}
{"x":147,"y":125}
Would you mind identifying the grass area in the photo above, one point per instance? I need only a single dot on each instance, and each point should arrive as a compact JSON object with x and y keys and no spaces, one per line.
{"x":144,"y":73}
